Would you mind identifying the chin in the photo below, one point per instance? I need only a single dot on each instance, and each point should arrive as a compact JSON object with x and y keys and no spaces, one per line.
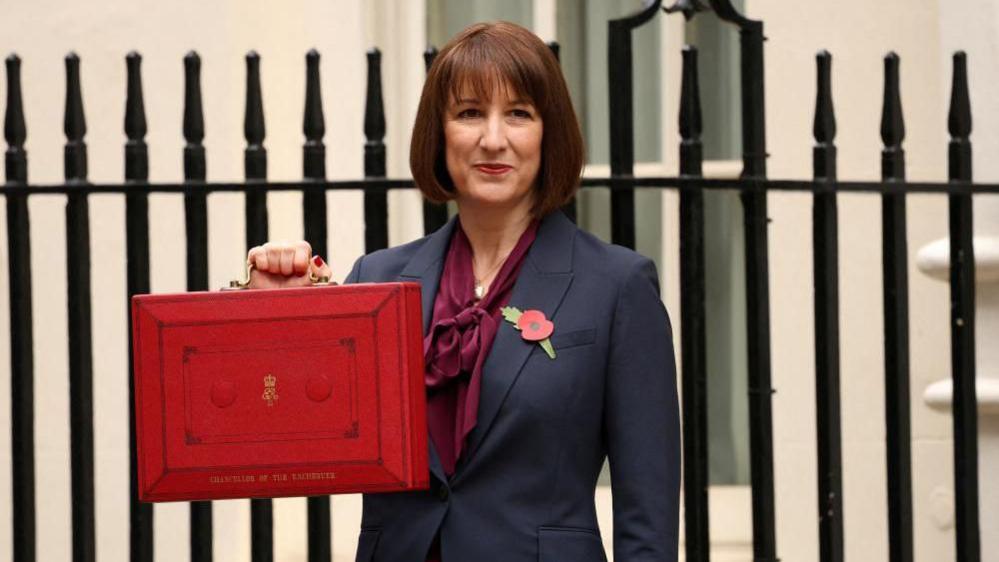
{"x":497,"y":200}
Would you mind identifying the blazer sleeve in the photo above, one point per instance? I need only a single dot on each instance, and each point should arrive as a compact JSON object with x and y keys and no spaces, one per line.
{"x":642,"y":422}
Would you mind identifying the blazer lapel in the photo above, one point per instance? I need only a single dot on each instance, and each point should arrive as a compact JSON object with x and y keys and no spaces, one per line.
{"x":425,"y":268}
{"x":542,"y":283}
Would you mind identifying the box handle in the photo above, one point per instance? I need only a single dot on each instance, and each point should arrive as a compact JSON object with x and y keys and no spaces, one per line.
{"x":238,"y":285}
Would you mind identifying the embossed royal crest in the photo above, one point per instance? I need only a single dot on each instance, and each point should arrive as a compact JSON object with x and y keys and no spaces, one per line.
{"x":270,"y":389}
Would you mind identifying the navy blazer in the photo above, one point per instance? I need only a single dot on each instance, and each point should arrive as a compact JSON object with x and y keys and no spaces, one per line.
{"x":524,"y":488}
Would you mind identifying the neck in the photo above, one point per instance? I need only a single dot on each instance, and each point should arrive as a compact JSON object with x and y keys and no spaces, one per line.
{"x":493,"y":233}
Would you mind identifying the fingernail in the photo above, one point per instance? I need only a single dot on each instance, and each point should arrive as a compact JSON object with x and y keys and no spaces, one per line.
{"x":318,"y":261}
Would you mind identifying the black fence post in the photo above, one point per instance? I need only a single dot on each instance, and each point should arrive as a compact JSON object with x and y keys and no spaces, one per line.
{"x":962,"y":312}
{"x":754,"y":203}
{"x":314,"y":213}
{"x":622,"y":118}
{"x":255,"y":171}
{"x":255,"y":155}
{"x":196,"y":225}
{"x":896,"y":318}
{"x":81,"y":402}
{"x":693,"y":345}
{"x":137,"y":266}
{"x":314,"y":160}
{"x":22,"y":394}
{"x":434,"y":214}
{"x":375,"y":198}
{"x":825,"y":268}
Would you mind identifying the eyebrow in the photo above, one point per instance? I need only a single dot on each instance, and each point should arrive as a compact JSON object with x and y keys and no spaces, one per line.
{"x":517,"y":101}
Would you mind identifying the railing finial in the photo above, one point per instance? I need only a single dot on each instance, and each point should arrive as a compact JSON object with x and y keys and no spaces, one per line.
{"x":14,"y":130}
{"x":135,"y":112}
{"x":314,"y":125}
{"x":824,"y":127}
{"x":553,"y":46}
{"x":194,"y":119}
{"x":74,"y":122}
{"x":253,"y":121}
{"x":892,"y":122}
{"x":428,"y":57}
{"x":690,"y":97}
{"x":959,"y":116}
{"x":374,"y":119}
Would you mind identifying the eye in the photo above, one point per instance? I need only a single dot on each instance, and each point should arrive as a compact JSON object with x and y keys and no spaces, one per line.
{"x":469,"y":113}
{"x":522,"y":114}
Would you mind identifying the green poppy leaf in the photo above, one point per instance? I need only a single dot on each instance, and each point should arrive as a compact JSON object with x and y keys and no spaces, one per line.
{"x":546,"y":344}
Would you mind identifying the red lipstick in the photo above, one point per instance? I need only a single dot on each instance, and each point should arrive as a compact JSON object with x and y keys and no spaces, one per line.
{"x":493,"y":168}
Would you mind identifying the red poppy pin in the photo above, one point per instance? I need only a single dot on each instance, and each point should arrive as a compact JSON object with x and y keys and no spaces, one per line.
{"x":533,"y":326}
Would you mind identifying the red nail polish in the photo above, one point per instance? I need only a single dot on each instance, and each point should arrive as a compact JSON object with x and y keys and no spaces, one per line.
{"x":318,"y":261}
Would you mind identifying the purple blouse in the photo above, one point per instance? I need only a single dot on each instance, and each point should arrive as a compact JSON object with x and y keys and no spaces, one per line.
{"x":461,"y":333}
{"x":460,"y":336}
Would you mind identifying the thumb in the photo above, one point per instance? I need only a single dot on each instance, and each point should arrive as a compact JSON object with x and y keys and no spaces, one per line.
{"x":319,"y":268}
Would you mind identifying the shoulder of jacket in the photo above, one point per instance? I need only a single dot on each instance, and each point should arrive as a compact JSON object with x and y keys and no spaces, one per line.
{"x":389,"y":262}
{"x":605,"y":259}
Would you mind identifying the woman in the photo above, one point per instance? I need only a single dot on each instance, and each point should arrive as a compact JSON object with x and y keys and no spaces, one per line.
{"x":519,"y":430}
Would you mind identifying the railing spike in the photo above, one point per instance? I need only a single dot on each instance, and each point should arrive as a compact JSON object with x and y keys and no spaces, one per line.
{"x":375,"y":200}
{"x":314,"y":124}
{"x":314,"y":221}
{"x":959,"y":116}
{"x":253,"y":121}
{"x":135,"y":112}
{"x":892,"y":123}
{"x":14,"y":130}
{"x":74,"y":122}
{"x":962,"y":324}
{"x":824,"y":127}
{"x":434,"y":214}
{"x":374,"y":111}
{"x":554,"y":47}
{"x":428,"y":57}
{"x":690,"y":96}
{"x":194,"y":119}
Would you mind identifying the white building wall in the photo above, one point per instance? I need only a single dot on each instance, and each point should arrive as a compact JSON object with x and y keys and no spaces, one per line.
{"x":857,"y":33}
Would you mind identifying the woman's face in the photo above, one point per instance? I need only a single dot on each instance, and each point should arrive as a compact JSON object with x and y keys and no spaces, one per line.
{"x":493,"y":148}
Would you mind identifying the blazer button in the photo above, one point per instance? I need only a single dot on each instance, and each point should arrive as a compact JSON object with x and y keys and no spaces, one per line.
{"x":443,"y":493}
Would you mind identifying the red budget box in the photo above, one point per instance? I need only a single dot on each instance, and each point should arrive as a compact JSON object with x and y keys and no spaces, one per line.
{"x":269,"y":393}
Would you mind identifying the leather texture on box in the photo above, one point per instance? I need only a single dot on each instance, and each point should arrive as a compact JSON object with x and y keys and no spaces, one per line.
{"x":269,"y":393}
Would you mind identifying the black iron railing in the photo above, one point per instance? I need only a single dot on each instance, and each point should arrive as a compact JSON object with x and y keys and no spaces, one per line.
{"x":753,"y":186}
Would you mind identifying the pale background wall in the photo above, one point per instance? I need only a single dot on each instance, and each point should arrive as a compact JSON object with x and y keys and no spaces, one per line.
{"x":858,"y":34}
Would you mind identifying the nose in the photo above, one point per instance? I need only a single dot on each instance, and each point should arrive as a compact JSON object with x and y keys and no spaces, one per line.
{"x":494,"y":136}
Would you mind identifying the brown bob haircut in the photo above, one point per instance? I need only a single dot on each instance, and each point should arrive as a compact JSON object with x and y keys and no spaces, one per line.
{"x":483,"y":56}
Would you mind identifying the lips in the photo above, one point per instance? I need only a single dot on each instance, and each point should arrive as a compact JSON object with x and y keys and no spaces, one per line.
{"x":494,"y":169}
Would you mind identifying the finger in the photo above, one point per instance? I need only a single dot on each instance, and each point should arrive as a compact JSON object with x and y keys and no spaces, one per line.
{"x":301,"y":262}
{"x":258,"y":257}
{"x":321,"y":268}
{"x":304,"y":244}
{"x":287,"y":257}
{"x":265,"y":280}
{"x":251,"y":256}
{"x":273,"y":258}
